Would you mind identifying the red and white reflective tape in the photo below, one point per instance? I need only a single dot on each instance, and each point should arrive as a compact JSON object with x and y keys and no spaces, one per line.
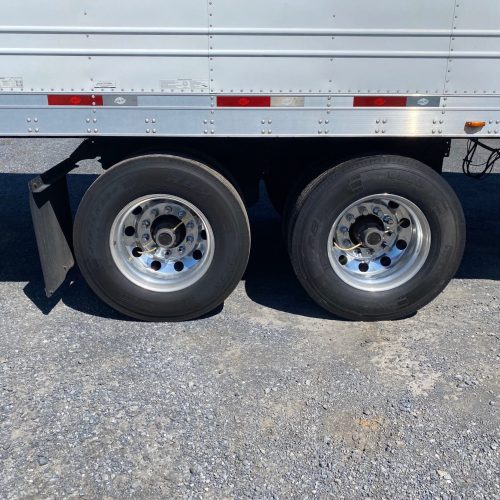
{"x":357,"y":102}
{"x":234,"y":101}
{"x":257,"y":101}
{"x":397,"y":101}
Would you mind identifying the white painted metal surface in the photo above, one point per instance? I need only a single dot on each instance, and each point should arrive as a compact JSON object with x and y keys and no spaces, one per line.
{"x":160,"y":66}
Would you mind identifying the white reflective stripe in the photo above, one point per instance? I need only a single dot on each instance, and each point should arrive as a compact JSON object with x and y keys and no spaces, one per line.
{"x":287,"y":102}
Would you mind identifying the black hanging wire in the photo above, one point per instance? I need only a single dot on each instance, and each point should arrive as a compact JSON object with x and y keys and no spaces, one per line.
{"x":479,"y":170}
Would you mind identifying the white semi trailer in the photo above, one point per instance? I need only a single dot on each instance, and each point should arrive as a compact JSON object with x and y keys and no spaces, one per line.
{"x":345,"y":109}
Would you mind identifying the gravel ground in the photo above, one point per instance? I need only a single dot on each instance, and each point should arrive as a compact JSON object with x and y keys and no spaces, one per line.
{"x":269,"y":397}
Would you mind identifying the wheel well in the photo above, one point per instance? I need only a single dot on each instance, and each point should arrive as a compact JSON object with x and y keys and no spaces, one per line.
{"x":282,"y":162}
{"x":305,"y":160}
{"x":231,"y":158}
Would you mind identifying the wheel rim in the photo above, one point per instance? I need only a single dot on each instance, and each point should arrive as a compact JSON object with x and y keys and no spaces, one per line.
{"x":162,"y":243}
{"x":379,"y":242}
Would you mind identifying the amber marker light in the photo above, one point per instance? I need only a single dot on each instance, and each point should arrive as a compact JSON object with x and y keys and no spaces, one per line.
{"x":475,"y":124}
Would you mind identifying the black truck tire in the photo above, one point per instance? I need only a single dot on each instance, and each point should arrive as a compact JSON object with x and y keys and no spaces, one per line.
{"x":376,"y":238}
{"x":162,"y":238}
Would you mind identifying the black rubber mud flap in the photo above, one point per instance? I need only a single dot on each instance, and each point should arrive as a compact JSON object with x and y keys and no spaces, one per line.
{"x":52,"y":221}
{"x":51,"y":214}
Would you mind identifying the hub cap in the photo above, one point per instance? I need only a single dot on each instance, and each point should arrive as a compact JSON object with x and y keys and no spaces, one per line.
{"x":379,"y":242}
{"x":162,"y":243}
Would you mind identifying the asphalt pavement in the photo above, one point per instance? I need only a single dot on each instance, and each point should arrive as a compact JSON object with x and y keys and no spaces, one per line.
{"x":268,"y":397}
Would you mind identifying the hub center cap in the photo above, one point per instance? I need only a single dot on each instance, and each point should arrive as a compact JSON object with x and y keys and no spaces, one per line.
{"x":165,"y":238}
{"x":372,"y":238}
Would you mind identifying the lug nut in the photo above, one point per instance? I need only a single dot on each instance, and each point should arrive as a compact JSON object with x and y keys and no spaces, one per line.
{"x":145,"y":237}
{"x":146,"y":223}
{"x":190,"y":239}
{"x":347,"y":243}
{"x":181,"y":249}
{"x":388,"y":220}
{"x":181,"y":214}
{"x":350,"y":217}
{"x":190,"y":224}
{"x":155,"y":212}
{"x":376,"y":210}
{"x":168,"y":209}
{"x":344,"y":229}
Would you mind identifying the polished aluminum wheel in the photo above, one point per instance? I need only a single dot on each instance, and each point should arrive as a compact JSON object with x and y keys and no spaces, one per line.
{"x":162,"y":243}
{"x":379,"y":242}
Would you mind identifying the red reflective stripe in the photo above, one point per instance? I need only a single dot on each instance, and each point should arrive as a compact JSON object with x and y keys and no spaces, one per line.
{"x":380,"y":102}
{"x":231,"y":101}
{"x":75,"y":100}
